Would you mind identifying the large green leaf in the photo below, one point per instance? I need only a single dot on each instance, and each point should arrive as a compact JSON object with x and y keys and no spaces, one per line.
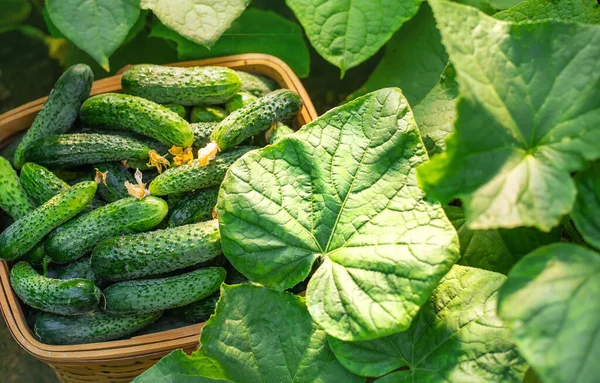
{"x":347,"y":32}
{"x":586,"y":212}
{"x":517,"y":138}
{"x":342,"y":191}
{"x":581,"y":11}
{"x":201,"y":21}
{"x":550,"y":303}
{"x":255,"y":31}
{"x":496,"y":250}
{"x":456,"y":337}
{"x":256,"y":335}
{"x":98,"y":27}
{"x":14,"y":11}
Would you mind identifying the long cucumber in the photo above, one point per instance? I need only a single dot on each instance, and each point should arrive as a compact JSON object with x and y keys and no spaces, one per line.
{"x":13,"y":198}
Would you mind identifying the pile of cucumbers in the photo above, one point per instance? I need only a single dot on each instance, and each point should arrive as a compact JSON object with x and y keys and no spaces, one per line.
{"x":107,"y":214}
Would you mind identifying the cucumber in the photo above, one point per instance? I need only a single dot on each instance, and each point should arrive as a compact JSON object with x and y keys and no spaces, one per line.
{"x":256,"y":117}
{"x":81,"y":268}
{"x":64,"y":297}
{"x":185,"y":86}
{"x":256,"y":85}
{"x":195,"y":207}
{"x":60,"y":110}
{"x":202,"y":132}
{"x":90,"y":328}
{"x":13,"y":198}
{"x":81,"y":149}
{"x":205,"y":113}
{"x":150,"y":142}
{"x":192,"y":177}
{"x":239,"y":100}
{"x":280,"y":132}
{"x":165,"y":323}
{"x":198,"y":312}
{"x":117,"y":175}
{"x":136,"y":114}
{"x":77,"y":237}
{"x":25,"y":233}
{"x":179,"y":109}
{"x":156,"y":252}
{"x":151,"y":295}
{"x":8,"y":150}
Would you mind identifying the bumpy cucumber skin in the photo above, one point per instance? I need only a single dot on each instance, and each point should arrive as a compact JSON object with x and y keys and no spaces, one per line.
{"x":136,"y":114}
{"x":156,"y":252}
{"x":202,"y":132}
{"x":8,"y":150}
{"x":198,"y":311}
{"x":24,"y":234}
{"x":90,"y":328}
{"x":185,"y":86}
{"x":13,"y":198}
{"x":256,"y":85}
{"x":60,"y":110}
{"x":239,"y":100}
{"x":192,"y":177}
{"x":205,"y":113}
{"x":279,"y":133}
{"x":150,"y":295}
{"x":179,"y":109}
{"x":64,"y":297}
{"x":195,"y":207}
{"x":77,"y":237}
{"x":256,"y":117}
{"x":81,"y":149}
{"x":40,"y":183}
{"x":81,"y":268}
{"x":114,"y":189}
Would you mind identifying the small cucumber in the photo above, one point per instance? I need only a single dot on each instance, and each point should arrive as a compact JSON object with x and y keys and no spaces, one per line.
{"x":81,"y":149}
{"x":60,"y":110}
{"x":90,"y":328}
{"x":256,"y":85}
{"x":81,"y":268}
{"x":150,"y":142}
{"x":77,"y":237}
{"x":64,"y":297}
{"x":195,"y":207}
{"x":256,"y":117}
{"x":25,"y":233}
{"x":198,"y":312}
{"x":156,"y":252}
{"x":113,"y":187}
{"x":151,"y":295}
{"x":239,"y":100}
{"x":205,"y":113}
{"x":8,"y":150}
{"x":13,"y":198}
{"x":165,"y":323}
{"x":280,"y":132}
{"x":202,"y":132}
{"x":185,"y":86}
{"x":179,"y":109}
{"x":192,"y":177}
{"x":136,"y":114}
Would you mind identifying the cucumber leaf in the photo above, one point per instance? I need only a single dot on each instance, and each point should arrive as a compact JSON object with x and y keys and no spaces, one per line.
{"x":586,"y":212}
{"x":496,"y":250}
{"x":348,"y":32}
{"x":255,"y":31}
{"x":550,"y":304}
{"x":256,"y":335}
{"x":341,"y":195}
{"x":516,"y":138}
{"x":456,"y":337}
{"x":98,"y":27}
{"x":202,"y":21}
{"x":581,"y":11}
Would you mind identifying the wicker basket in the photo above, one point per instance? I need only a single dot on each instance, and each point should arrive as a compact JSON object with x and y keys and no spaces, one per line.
{"x":123,"y":360}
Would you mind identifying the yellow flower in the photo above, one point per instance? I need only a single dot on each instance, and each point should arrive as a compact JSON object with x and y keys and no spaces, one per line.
{"x":100,"y":177}
{"x":181,"y":156}
{"x":138,"y":190}
{"x":207,"y":153}
{"x":158,"y":161}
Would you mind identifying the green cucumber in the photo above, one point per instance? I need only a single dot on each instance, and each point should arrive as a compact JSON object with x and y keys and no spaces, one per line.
{"x":256,"y":117}
{"x":194,"y":207}
{"x":198,"y":312}
{"x":192,"y":177}
{"x":156,"y":252}
{"x":165,"y":323}
{"x":13,"y":198}
{"x":256,"y":85}
{"x":179,"y":109}
{"x":90,"y":328}
{"x":151,"y":295}
{"x":60,"y":110}
{"x":280,"y":132}
{"x":206,"y":113}
{"x":113,"y":188}
{"x":136,"y":114}
{"x":150,"y":142}
{"x":64,"y":297}
{"x":79,"y":236}
{"x":81,"y":149}
{"x":185,"y":86}
{"x":202,"y":132}
{"x":239,"y":100}
{"x":25,"y":233}
{"x":81,"y":268}
{"x":8,"y":151}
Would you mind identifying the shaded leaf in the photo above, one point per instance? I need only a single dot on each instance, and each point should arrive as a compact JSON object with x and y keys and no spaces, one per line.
{"x":581,"y":11}
{"x":14,"y":11}
{"x":586,"y":212}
